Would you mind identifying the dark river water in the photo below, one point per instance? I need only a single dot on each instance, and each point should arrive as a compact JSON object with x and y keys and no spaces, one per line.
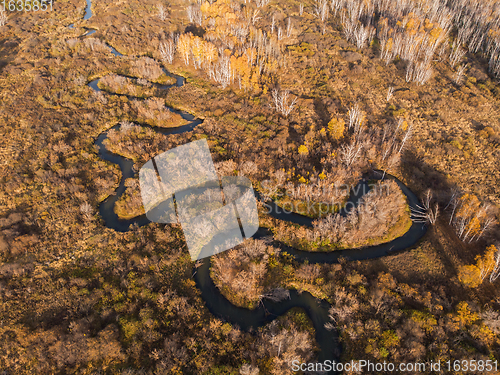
{"x":218,"y":305}
{"x":317,"y":310}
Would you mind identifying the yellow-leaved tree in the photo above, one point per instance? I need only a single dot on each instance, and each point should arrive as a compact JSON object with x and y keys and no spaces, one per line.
{"x":303,"y":150}
{"x":184,"y":47}
{"x":486,"y":263}
{"x":472,"y":218}
{"x":473,"y":275}
{"x":470,"y":276}
{"x":336,"y":128}
{"x":243,"y":71}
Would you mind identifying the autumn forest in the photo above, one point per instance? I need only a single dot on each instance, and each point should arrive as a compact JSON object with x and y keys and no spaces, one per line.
{"x":369,"y":129}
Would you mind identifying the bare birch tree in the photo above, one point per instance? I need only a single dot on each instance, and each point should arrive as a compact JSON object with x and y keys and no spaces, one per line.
{"x":356,"y":117}
{"x":349,"y":153}
{"x":167,"y":51}
{"x":419,"y":72}
{"x":458,"y":76}
{"x":322,"y":10}
{"x":281,"y":101}
{"x":390,"y":93}
{"x":425,"y":213}
{"x":363,"y":35}
{"x":496,"y":268}
{"x":407,"y":135}
{"x":86,"y":210}
{"x":261,"y":3}
{"x":194,"y":14}
{"x":162,"y":12}
{"x":457,"y":54}
{"x":221,"y":72}
{"x":3,"y":17}
{"x":453,"y":203}
{"x":255,"y":16}
{"x":289,"y":28}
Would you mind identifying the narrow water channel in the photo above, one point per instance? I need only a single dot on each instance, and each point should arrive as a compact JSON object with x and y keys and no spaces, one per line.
{"x":330,"y":347}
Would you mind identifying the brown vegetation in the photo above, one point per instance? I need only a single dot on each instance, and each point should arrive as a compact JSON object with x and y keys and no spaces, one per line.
{"x":125,"y":86}
{"x":78,"y":297}
{"x":381,"y":215}
{"x":243,"y":274}
{"x":153,"y":112}
{"x":134,"y":142}
{"x":130,"y":203}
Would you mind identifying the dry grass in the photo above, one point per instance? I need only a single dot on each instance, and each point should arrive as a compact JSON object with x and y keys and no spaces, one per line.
{"x":50,"y":168}
{"x":125,"y":86}
{"x":381,"y":216}
{"x":130,"y":203}
{"x":242,"y":273}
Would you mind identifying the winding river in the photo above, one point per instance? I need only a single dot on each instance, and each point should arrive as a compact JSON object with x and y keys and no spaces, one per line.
{"x":317,"y":310}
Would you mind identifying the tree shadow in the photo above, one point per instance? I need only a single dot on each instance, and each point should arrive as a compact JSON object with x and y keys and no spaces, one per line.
{"x":195,"y":30}
{"x":322,"y":111}
{"x":420,"y":177}
{"x":8,"y":51}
